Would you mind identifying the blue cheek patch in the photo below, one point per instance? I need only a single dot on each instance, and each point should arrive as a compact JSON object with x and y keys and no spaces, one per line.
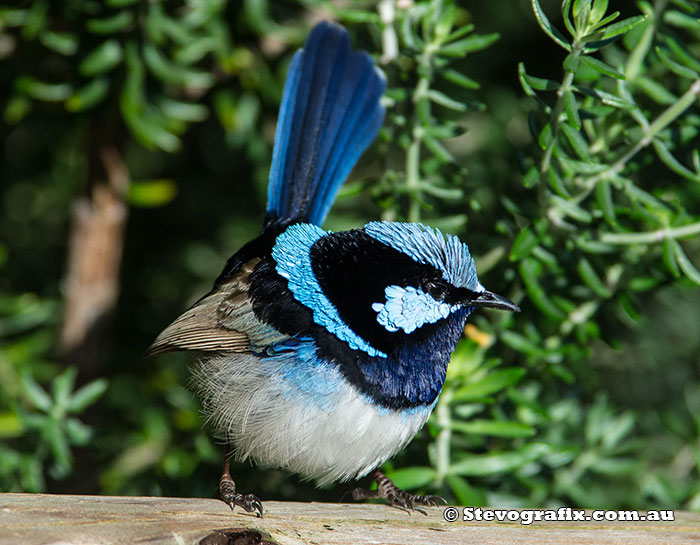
{"x":292,"y":253}
{"x":409,"y":308}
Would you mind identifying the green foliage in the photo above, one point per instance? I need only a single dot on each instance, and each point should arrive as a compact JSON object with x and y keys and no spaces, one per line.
{"x":155,"y":61}
{"x":577,"y":191}
{"x":38,"y":428}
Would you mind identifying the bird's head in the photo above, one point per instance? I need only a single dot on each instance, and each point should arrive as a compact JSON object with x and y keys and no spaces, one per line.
{"x":444,"y":281}
{"x":379,"y":286}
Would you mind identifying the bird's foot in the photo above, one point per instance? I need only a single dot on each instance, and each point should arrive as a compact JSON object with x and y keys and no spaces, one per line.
{"x":249,"y":502}
{"x":386,"y":489}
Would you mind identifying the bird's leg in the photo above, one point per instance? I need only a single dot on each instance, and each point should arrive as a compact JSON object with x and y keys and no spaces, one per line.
{"x":227,"y":490}
{"x":396,"y":497}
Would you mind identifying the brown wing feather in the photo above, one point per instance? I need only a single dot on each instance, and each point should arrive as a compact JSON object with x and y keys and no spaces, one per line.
{"x":200,"y":327}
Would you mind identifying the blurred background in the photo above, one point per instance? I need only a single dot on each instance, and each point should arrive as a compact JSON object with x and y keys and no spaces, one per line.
{"x":136,"y":141}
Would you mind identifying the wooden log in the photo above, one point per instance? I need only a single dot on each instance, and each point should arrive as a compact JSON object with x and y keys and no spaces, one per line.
{"x":34,"y":519}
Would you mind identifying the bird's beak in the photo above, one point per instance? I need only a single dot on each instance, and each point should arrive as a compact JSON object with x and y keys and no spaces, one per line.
{"x":491,"y":300}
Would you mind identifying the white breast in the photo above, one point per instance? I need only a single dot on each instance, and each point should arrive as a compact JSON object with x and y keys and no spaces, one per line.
{"x":303,"y":418}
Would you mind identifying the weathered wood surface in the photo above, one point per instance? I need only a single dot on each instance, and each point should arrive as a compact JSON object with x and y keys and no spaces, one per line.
{"x":33,"y":519}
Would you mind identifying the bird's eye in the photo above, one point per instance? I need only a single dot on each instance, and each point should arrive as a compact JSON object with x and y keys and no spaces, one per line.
{"x":436,"y":290}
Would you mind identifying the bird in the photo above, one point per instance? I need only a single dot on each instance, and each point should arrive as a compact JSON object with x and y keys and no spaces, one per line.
{"x":323,"y":353}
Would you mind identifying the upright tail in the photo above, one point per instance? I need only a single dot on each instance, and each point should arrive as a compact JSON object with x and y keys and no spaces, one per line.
{"x":330,"y":113}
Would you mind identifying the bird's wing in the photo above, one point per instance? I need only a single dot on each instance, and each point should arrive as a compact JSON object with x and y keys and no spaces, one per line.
{"x":330,"y":113}
{"x":215,"y":322}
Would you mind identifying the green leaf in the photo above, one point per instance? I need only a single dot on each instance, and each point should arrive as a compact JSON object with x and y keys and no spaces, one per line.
{"x":545,"y":139}
{"x":600,"y":66}
{"x":685,"y":58}
{"x":670,"y":161}
{"x":591,"y":279}
{"x":473,"y":43}
{"x":675,"y":67}
{"x":581,"y":167}
{"x":87,"y":395}
{"x":17,"y":108}
{"x":464,"y":492}
{"x":569,"y":208}
{"x":459,"y":79}
{"x":547,"y":27}
{"x":88,"y":96}
{"x":102,"y":59}
{"x":656,"y":91}
{"x":670,"y":257}
{"x":578,"y":143}
{"x":492,"y":383}
{"x":616,"y":466}
{"x":606,"y":98}
{"x":133,"y":105}
{"x":78,"y":433}
{"x":36,"y":394}
{"x":496,"y":428}
{"x":183,"y":111}
{"x":604,"y":22}
{"x":520,"y":343}
{"x":462,"y":30}
{"x":605,"y":202}
{"x":523,"y":244}
{"x":10,"y":425}
{"x":120,"y":21}
{"x":358,"y":16}
{"x":571,"y":62}
{"x":565,"y":9}
{"x":636,"y":193}
{"x":40,"y":90}
{"x":529,"y":271}
{"x":64,"y":43}
{"x":616,"y":29}
{"x":169,"y":72}
{"x":572,"y":110}
{"x":685,"y":264}
{"x":532,"y":82}
{"x":36,"y":20}
{"x":479,"y":465}
{"x":598,"y":11}
{"x":581,"y":12}
{"x":63,"y":386}
{"x":151,"y":193}
{"x":443,"y":100}
{"x":437,"y":148}
{"x":557,"y":183}
{"x":445,"y":22}
{"x":681,"y":20}
{"x":14,"y":17}
{"x":579,"y":6}
{"x":408,"y":36}
{"x":410,"y":478}
{"x":617,"y":428}
{"x":531,"y":177}
{"x":60,"y":451}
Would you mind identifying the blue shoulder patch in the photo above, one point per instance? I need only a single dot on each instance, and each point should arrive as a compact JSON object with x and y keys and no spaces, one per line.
{"x":426,"y":245}
{"x":291,"y":252}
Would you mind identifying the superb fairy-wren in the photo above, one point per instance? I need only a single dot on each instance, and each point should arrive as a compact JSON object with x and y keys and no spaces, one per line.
{"x":324,"y":353}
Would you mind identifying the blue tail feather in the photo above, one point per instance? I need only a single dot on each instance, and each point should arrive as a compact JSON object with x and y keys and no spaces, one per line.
{"x":330,"y":114}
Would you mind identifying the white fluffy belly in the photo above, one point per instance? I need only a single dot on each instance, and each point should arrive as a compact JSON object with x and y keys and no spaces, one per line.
{"x":305,"y":418}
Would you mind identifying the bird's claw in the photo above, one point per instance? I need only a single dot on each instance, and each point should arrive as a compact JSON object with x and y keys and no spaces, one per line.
{"x":227,"y":490}
{"x":402,"y":499}
{"x":396,"y":497}
{"x":249,"y":502}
